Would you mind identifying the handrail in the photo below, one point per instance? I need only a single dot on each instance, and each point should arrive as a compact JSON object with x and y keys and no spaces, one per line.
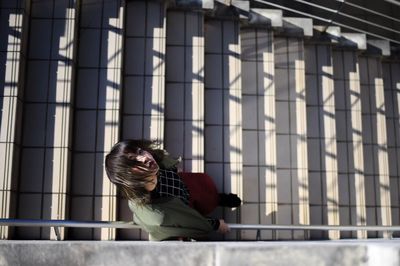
{"x":68,"y":223}
{"x":315,"y":227}
{"x":130,"y":225}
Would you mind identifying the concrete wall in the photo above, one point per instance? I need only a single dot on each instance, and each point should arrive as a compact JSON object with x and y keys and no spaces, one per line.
{"x":200,"y":253}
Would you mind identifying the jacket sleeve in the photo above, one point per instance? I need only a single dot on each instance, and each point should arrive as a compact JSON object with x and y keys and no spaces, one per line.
{"x":178,"y":220}
{"x":181,"y":215}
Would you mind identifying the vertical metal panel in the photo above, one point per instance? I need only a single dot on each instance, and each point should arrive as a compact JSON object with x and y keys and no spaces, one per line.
{"x":97,"y":114}
{"x":184,"y":135}
{"x":319,"y":70}
{"x":144,"y":83}
{"x":47,"y":115}
{"x":223,"y":109}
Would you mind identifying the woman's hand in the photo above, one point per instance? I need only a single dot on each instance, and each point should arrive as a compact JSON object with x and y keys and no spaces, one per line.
{"x":223,"y":227}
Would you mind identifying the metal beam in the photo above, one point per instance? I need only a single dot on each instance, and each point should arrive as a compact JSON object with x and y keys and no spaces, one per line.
{"x":338,"y":12}
{"x":369,"y":10}
{"x":327,"y":20}
{"x":393,"y":2}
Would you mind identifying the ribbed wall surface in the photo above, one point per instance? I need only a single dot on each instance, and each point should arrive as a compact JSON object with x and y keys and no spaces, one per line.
{"x":184,"y":117}
{"x":291,"y":135}
{"x":305,"y":130}
{"x":374,"y":142}
{"x":143,"y":101}
{"x":349,"y":140}
{"x":259,"y":130}
{"x":96,"y":114}
{"x":391,"y":81}
{"x":13,"y":28}
{"x":223,"y":109}
{"x":323,"y":171}
{"x":47,"y":115}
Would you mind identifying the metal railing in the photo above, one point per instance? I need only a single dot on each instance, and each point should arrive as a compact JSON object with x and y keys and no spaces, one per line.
{"x":329,"y":21}
{"x":340,"y":13}
{"x":56,"y":224}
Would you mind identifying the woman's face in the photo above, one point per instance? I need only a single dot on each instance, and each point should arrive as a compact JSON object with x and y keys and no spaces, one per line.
{"x":147,"y":159}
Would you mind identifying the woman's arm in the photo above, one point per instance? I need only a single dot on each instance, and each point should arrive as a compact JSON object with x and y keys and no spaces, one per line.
{"x":178,"y":220}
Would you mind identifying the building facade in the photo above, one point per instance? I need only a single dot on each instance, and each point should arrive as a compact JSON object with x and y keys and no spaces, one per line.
{"x":294,"y":110}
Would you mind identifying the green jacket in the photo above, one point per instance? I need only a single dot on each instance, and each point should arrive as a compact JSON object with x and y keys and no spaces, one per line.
{"x":170,"y":217}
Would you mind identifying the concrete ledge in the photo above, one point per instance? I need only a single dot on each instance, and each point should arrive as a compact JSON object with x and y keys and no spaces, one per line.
{"x":266,"y":17}
{"x":242,"y":7}
{"x":329,"y":34}
{"x":353,"y":40}
{"x":230,"y":9}
{"x":379,"y":47}
{"x":307,"y":253}
{"x":195,"y":4}
{"x":302,"y":27}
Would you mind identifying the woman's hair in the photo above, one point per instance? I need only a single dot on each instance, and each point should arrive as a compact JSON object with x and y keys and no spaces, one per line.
{"x":121,"y":163}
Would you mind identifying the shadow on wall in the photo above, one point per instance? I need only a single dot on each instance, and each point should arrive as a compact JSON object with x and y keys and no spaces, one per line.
{"x":321,"y":191}
{"x":10,"y":36}
{"x":292,"y":188}
{"x":11,"y":80}
{"x":320,"y":93}
{"x":377,"y":178}
{"x":143,"y":105}
{"x":184,"y":117}
{"x":223,"y":151}
{"x":259,"y":173}
{"x":143,"y":71}
{"x":46,"y":93}
{"x":96,"y":115}
{"x":392,"y":86}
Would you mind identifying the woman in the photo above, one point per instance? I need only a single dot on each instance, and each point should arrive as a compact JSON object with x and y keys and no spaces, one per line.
{"x":166,"y":204}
